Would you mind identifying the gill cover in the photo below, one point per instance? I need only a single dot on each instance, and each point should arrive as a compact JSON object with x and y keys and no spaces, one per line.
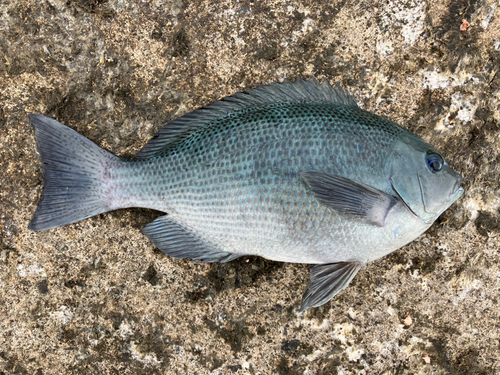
{"x":422,"y":179}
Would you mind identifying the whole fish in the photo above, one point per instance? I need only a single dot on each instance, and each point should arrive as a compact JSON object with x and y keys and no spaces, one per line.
{"x":292,"y":172}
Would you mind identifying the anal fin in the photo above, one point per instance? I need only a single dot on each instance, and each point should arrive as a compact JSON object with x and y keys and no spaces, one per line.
{"x":179,"y":242}
{"x":326,"y":281}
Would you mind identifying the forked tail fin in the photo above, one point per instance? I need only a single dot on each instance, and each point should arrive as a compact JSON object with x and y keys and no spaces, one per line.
{"x":76,"y":172}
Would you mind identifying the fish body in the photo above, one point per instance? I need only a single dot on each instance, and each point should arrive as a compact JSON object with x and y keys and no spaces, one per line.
{"x":239,"y":185}
{"x":292,"y":172}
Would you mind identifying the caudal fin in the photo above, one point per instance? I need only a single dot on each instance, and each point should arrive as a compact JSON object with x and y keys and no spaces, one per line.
{"x":75,"y":172}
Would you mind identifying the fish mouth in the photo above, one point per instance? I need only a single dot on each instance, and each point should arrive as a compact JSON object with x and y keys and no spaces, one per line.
{"x":457,"y":193}
{"x":457,"y":189}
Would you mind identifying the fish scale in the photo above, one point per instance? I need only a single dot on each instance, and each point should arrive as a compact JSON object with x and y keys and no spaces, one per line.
{"x":291,"y":172}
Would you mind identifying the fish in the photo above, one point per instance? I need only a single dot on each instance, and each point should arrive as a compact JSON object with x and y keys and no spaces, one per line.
{"x":291,"y":172}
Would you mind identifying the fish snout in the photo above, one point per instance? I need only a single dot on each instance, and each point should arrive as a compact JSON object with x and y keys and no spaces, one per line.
{"x":457,"y":189}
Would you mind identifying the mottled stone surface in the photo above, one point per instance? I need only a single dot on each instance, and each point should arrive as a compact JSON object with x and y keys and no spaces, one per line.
{"x":97,"y":298}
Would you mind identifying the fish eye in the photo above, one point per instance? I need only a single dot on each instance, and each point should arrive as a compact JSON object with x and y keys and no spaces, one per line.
{"x":434,"y":162}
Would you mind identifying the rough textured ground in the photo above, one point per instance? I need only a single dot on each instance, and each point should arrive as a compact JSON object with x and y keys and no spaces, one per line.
{"x":97,"y":298}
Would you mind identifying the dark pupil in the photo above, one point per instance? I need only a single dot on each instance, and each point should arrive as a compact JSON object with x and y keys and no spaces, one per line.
{"x":435,"y":163}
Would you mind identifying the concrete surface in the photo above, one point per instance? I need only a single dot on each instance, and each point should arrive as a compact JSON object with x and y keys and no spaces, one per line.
{"x":97,"y":298}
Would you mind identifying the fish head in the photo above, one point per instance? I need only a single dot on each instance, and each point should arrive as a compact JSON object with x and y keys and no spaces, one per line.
{"x":422,"y":179}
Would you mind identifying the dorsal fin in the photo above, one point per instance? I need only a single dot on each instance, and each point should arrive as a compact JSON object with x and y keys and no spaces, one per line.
{"x":287,"y":91}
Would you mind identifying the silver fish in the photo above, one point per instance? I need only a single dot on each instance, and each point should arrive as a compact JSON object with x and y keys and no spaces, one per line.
{"x":292,"y":172}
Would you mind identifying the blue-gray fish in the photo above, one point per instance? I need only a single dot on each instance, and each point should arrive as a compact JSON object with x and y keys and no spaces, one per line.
{"x":292,"y":172}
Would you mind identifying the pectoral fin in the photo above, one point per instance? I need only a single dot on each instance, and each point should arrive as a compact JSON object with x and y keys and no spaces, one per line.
{"x":326,"y":281}
{"x":348,"y":196}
